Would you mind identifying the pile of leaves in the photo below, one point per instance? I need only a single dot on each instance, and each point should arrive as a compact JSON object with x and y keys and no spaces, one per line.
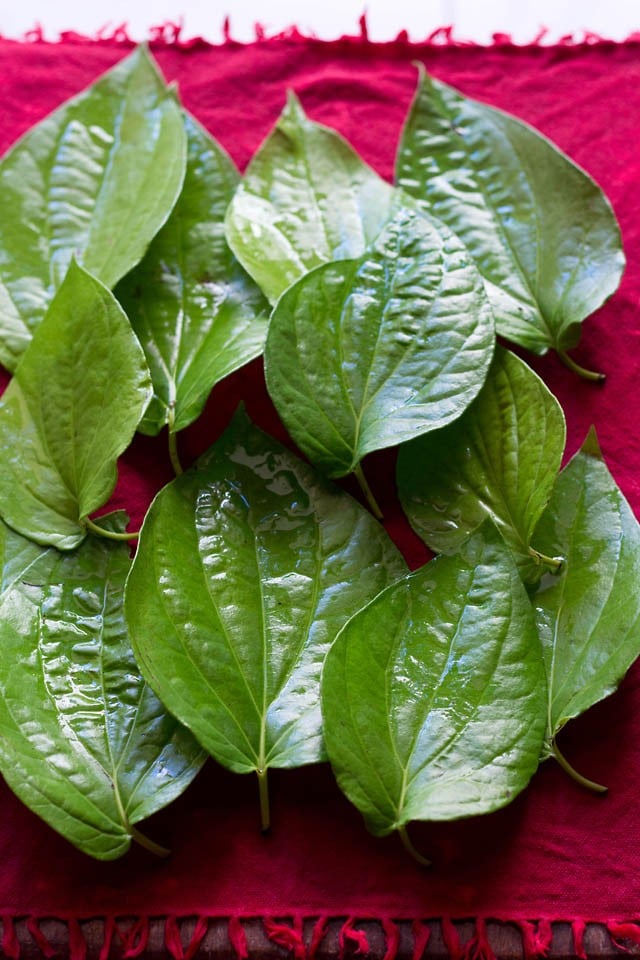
{"x":266,"y":618}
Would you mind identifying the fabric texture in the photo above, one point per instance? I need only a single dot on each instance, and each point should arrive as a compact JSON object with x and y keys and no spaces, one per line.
{"x":557,"y":852}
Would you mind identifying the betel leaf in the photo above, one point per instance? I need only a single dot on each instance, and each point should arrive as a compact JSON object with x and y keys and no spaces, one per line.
{"x":589,"y":616}
{"x":248,"y":565}
{"x":363,"y":354}
{"x":84,"y":741}
{"x":306,"y":198}
{"x":94,"y":180}
{"x":196,"y":312}
{"x":69,"y":412}
{"x":542,"y":232}
{"x":500,"y":460}
{"x":433,"y":695}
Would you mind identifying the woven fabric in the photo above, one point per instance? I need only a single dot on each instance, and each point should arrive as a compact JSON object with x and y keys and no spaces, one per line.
{"x":557,"y":852}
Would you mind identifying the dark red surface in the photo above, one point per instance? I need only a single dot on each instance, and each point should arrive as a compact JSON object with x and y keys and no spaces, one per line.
{"x":557,"y":852}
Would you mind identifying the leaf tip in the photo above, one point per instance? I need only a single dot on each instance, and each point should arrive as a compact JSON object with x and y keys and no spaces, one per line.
{"x":591,"y":446}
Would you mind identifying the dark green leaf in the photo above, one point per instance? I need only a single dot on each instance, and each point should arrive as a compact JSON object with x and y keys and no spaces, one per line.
{"x":306,"y":198}
{"x":197,"y":313}
{"x":499,"y":460}
{"x":367,"y":353}
{"x":433,"y":696}
{"x":247,"y":567}
{"x":589,"y":616}
{"x":542,"y":232}
{"x":69,"y":412}
{"x":95,"y":180}
{"x":83,"y":740}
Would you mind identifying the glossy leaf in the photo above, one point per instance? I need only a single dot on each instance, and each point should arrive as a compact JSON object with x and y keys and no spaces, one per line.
{"x":499,"y":460}
{"x":542,"y":232}
{"x":83,"y":740}
{"x":69,"y":412}
{"x":306,"y":198}
{"x":94,"y":180}
{"x":433,"y":695}
{"x":367,"y":353}
{"x":197,"y":313}
{"x":247,"y":567}
{"x":17,"y":554}
{"x":589,"y":616}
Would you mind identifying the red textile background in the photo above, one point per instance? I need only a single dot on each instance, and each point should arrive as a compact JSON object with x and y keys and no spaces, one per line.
{"x":557,"y":852}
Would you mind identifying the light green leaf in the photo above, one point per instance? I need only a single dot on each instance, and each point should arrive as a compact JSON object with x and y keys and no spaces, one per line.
{"x":17,"y":554}
{"x":247,"y":567}
{"x":433,"y":695}
{"x":84,"y":741}
{"x":499,"y":460}
{"x":542,"y":232}
{"x":367,"y":353}
{"x":69,"y":412}
{"x":197,"y":313}
{"x":95,"y":180}
{"x":306,"y":198}
{"x":589,"y":616}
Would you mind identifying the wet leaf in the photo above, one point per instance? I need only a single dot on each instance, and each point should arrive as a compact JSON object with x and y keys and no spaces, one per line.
{"x":69,"y":412}
{"x":500,"y":460}
{"x":197,"y":313}
{"x":543,"y":234}
{"x":84,"y":741}
{"x":94,"y":180}
{"x":433,"y":695}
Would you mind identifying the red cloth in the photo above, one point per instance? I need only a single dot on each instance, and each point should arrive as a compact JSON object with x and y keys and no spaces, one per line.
{"x":557,"y":852}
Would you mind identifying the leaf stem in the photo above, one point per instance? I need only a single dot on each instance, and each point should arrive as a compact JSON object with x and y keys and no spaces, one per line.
{"x":566,"y":766}
{"x":411,"y":850}
{"x":148,"y":844}
{"x":173,"y":444}
{"x":366,"y":489}
{"x":554,"y":563}
{"x":110,"y":534}
{"x":581,"y":371}
{"x":263,"y":788}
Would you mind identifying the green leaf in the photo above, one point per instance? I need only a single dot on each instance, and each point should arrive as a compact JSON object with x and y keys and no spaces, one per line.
{"x":367,"y":353}
{"x":17,"y":554}
{"x":433,"y":695}
{"x":69,"y":412}
{"x":542,"y":232}
{"x":95,"y":180}
{"x":248,"y":565}
{"x":197,"y":313}
{"x":499,"y":460}
{"x":306,"y":198}
{"x":84,"y":741}
{"x":589,"y":616}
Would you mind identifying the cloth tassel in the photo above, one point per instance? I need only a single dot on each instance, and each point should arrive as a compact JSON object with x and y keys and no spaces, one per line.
{"x":110,"y":927}
{"x":451,"y":939}
{"x":623,"y":931}
{"x":238,"y":938}
{"x":291,"y":938}
{"x":77,"y":942}
{"x":577,"y":929}
{"x":359,"y":937}
{"x":478,"y":947}
{"x":536,"y":938}
{"x":173,"y":940}
{"x":392,"y":939}
{"x":317,"y":936}
{"x":10,"y":942}
{"x":46,"y":949}
{"x":421,"y":936}
{"x":135,"y":939}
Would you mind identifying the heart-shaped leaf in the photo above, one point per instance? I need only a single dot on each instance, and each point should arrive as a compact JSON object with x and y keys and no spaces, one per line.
{"x":248,"y":565}
{"x":95,"y":180}
{"x":367,"y":353}
{"x":84,"y":741}
{"x":500,"y":460}
{"x":589,"y":616}
{"x":543,"y":235}
{"x":306,"y":198}
{"x":69,"y":412}
{"x":433,"y":695}
{"x":197,"y":313}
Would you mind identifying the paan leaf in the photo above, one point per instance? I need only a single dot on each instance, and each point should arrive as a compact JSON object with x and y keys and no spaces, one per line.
{"x":198,"y":315}
{"x":84,"y":741}
{"x":95,"y":180}
{"x":433,"y":695}
{"x":589,"y":616}
{"x":364,"y":354}
{"x":499,"y":460}
{"x":306,"y":198}
{"x":69,"y":412}
{"x":543,"y":234}
{"x":248,"y":565}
